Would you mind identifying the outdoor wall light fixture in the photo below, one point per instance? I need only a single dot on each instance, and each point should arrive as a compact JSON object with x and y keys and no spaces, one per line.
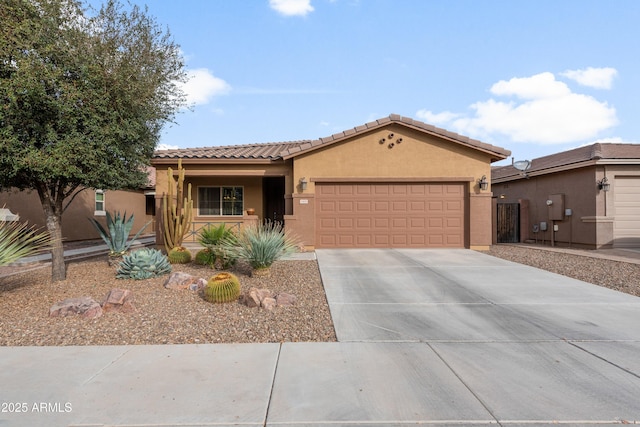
{"x":603,"y":184}
{"x":483,"y":183}
{"x":303,"y":183}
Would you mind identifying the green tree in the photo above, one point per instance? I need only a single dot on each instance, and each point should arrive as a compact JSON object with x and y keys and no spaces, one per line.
{"x":83,"y":99}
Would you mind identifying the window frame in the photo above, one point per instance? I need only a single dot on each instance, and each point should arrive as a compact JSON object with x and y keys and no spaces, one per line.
{"x":221,"y":206}
{"x":96,"y":211}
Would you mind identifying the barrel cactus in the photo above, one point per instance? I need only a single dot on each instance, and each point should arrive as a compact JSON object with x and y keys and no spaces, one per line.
{"x":179,"y":255}
{"x":223,"y":287}
{"x":143,"y":264}
{"x":205,"y":256}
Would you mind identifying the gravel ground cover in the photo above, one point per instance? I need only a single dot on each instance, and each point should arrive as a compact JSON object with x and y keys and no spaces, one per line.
{"x":182,"y":317}
{"x":621,"y":276}
{"x":163,"y":316}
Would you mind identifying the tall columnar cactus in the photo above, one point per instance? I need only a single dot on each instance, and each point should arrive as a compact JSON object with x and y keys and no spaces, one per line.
{"x":177,"y":211}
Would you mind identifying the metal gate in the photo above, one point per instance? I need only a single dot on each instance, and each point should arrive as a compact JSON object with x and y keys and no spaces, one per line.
{"x":508,"y":222}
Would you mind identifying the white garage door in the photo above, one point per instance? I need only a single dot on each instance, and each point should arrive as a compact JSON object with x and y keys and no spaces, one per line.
{"x":369,"y":215}
{"x":626,"y":225}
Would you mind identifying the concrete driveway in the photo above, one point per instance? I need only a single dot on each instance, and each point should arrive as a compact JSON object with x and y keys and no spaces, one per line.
{"x":441,"y":338}
{"x":529,"y":346}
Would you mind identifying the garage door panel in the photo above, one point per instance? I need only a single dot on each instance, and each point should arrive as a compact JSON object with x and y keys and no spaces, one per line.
{"x":381,"y":223}
{"x":390,"y":215}
{"x":380,"y":207}
{"x":626,"y":226}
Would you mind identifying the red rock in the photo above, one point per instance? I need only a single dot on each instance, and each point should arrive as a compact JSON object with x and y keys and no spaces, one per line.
{"x":118,"y":300}
{"x":286,"y":299}
{"x":84,"y":306}
{"x":268,"y":303}
{"x":179,"y":280}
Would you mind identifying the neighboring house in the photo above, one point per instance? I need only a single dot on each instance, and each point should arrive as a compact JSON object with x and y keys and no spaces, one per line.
{"x":565,"y":191}
{"x":89,"y":203}
{"x":393,"y":182}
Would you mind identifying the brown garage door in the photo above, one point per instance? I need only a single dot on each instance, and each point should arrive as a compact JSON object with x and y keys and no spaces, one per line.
{"x":369,"y":215}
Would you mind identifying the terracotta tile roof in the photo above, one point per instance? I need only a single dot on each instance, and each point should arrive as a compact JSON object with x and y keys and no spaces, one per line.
{"x":578,"y":157}
{"x":267,"y":151}
{"x":285,"y":150}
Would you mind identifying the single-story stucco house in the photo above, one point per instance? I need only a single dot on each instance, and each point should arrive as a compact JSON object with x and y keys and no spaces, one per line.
{"x":586,"y":197}
{"x":88,"y":203}
{"x":393,"y":182}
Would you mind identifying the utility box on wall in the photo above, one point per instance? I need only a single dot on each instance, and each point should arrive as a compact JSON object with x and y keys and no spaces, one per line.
{"x":555,"y":202}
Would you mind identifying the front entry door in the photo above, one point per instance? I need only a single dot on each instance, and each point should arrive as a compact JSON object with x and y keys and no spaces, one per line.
{"x":273,"y":190}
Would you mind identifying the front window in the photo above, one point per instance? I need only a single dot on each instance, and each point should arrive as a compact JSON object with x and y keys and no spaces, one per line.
{"x":220,"y":201}
{"x":99,"y":203}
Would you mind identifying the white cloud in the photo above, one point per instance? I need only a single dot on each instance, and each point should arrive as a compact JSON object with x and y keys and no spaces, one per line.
{"x":435,"y":119}
{"x":291,"y":7}
{"x":543,"y":85}
{"x":166,"y":147}
{"x":546,"y":112}
{"x":599,"y":78}
{"x":202,"y":86}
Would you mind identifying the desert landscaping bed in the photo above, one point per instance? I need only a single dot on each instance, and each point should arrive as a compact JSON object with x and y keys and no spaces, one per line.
{"x":162,"y":316}
{"x":621,"y":276}
{"x":165,"y":316}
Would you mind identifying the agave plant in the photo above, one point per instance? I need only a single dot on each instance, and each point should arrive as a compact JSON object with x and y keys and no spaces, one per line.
{"x":117,"y":239}
{"x":18,"y":240}
{"x":261,"y":245}
{"x":143,"y":264}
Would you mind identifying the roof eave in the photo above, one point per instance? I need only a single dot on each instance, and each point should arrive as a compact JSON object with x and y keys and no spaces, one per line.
{"x":369,"y":127}
{"x":567,"y":167}
{"x":212,"y":161}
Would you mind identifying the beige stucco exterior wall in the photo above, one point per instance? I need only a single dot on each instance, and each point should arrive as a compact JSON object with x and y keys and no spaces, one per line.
{"x":208,"y":173}
{"x":75,"y":225}
{"x":418,"y":156}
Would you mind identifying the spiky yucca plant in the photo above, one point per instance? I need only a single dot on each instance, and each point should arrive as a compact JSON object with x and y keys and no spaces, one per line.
{"x":18,"y":240}
{"x":143,"y":264}
{"x":223,"y":287}
{"x":260,"y":245}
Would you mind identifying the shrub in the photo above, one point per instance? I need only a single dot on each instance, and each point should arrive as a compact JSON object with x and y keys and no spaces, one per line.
{"x":214,"y":235}
{"x":261,"y":245}
{"x":118,"y":235}
{"x":179,"y":255}
{"x":18,"y":240}
{"x":223,"y":287}
{"x":143,"y":264}
{"x":205,"y":256}
{"x":212,"y":238}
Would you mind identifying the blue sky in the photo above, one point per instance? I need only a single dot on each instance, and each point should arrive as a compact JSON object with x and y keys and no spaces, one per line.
{"x":535,"y":77}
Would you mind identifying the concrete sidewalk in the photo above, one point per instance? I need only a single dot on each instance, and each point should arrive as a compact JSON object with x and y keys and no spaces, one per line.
{"x":439,"y":338}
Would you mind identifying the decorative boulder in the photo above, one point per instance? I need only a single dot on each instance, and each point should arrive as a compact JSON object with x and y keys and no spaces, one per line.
{"x":285,"y":299}
{"x":254,"y":296}
{"x":198,"y":285}
{"x":118,"y":300}
{"x":84,"y":306}
{"x":179,"y":280}
{"x":268,"y":303}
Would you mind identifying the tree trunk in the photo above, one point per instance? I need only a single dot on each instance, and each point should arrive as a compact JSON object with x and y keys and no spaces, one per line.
{"x":52,"y":207}
{"x":58,"y":267}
